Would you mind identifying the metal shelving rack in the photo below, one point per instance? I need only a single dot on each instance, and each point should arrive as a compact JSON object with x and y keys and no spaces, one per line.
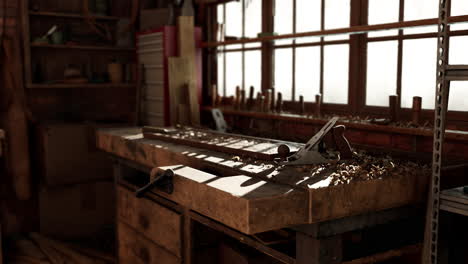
{"x":445,"y":74}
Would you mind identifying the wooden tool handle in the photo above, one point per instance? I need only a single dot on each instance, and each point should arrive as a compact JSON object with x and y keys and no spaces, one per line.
{"x":342,"y":143}
{"x":393,"y":102}
{"x":301,"y":105}
{"x":318,"y":105}
{"x":279,"y":103}
{"x":417,"y":106}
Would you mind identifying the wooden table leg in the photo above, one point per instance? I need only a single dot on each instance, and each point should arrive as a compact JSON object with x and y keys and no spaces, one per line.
{"x":188,"y":238}
{"x":310,"y":250}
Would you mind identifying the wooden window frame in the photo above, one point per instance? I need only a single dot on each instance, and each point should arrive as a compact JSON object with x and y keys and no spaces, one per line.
{"x":357,"y":62}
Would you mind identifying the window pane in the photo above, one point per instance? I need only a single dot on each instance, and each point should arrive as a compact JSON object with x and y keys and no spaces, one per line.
{"x":253,"y":71}
{"x":308,"y":18}
{"x":253,"y":19}
{"x":459,"y":7}
{"x":419,"y":71}
{"x":421,"y":9}
{"x":234,"y":19}
{"x":458,"y":95}
{"x":458,"y":54}
{"x":381,"y":12}
{"x":336,"y":74}
{"x":283,"y":19}
{"x":283,"y":72}
{"x":221,"y":74}
{"x":220,"y":14}
{"x":233,"y":72}
{"x":382,"y":59}
{"x":337,"y":15}
{"x":308,"y":72}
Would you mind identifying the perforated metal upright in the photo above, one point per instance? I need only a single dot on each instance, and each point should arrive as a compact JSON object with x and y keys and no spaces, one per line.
{"x":445,"y":74}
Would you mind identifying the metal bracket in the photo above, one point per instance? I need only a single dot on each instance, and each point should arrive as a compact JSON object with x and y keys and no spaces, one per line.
{"x":218,"y":117}
{"x":162,"y":180}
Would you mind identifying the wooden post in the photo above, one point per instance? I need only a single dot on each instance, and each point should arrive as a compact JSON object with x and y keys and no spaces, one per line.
{"x":188,"y":238}
{"x":273,"y":102}
{"x":417,"y":106}
{"x":237,"y":99}
{"x":251,"y":98}
{"x":214,"y":95}
{"x":242,"y":100}
{"x":318,"y":105}
{"x":279,"y":103}
{"x":318,"y":250}
{"x":301,"y":105}
{"x":259,"y":102}
{"x":393,"y":102}
{"x":267,"y":102}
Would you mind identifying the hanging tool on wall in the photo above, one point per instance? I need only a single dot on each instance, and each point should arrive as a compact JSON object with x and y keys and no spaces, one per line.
{"x":316,"y":152}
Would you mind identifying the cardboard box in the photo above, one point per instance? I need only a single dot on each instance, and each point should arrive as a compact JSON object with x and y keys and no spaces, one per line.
{"x":76,"y":211}
{"x":68,"y":155}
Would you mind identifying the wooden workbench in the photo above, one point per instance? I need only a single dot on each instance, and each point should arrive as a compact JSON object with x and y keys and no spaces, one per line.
{"x":248,"y":198}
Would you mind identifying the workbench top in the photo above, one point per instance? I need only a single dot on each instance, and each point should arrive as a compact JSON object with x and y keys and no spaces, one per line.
{"x":268,"y":196}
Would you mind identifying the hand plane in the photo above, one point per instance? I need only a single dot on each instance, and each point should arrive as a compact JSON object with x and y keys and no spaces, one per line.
{"x":315,"y":151}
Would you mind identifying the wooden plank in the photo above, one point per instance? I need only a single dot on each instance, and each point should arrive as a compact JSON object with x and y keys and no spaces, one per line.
{"x":256,"y":148}
{"x":243,"y":238}
{"x":349,"y":30}
{"x":134,"y":248}
{"x":313,"y":250}
{"x":455,"y":195}
{"x":180,"y":75}
{"x":334,"y":202}
{"x":324,"y":202}
{"x":186,"y":33}
{"x":240,"y":202}
{"x":157,"y":223}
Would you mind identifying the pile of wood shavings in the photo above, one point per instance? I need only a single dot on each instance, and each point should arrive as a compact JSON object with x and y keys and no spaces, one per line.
{"x":364,"y":167}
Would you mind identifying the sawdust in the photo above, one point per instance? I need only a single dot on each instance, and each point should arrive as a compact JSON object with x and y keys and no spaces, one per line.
{"x":365,"y":167}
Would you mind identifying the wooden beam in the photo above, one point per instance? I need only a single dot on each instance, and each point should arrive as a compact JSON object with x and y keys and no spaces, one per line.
{"x":350,"y":30}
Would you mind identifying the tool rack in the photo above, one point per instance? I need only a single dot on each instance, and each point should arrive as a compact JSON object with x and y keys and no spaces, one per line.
{"x":449,"y":200}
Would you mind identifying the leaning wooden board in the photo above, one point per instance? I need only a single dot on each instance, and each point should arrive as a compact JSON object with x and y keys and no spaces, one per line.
{"x":319,"y":200}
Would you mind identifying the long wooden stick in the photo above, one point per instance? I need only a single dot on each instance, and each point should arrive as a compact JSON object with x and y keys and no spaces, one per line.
{"x":350,"y":30}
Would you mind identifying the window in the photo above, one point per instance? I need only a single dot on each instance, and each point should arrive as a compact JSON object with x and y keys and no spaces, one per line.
{"x":418,"y":60}
{"x":335,"y":77}
{"x":399,"y":61}
{"x":239,"y":65}
{"x":382,"y":12}
{"x":382,"y":64}
{"x":299,"y":68}
{"x":420,"y":9}
{"x":419,"y":71}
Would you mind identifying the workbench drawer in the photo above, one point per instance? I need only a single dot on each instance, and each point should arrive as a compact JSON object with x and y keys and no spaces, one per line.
{"x":156,"y":222}
{"x":136,"y":249}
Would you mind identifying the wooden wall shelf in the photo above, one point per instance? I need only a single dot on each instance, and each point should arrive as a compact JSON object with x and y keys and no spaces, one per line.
{"x":80,"y":85}
{"x":451,"y":134}
{"x":70,"y":15}
{"x":82,"y":47}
